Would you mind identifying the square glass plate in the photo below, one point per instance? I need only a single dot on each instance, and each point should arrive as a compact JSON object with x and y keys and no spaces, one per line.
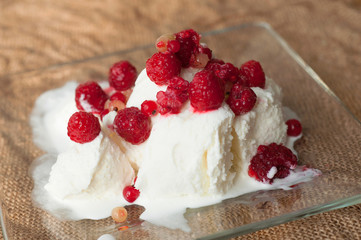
{"x":331,"y":143}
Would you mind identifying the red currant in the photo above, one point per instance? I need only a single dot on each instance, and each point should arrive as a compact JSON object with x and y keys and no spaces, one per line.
{"x":294,"y":127}
{"x":130,"y":193}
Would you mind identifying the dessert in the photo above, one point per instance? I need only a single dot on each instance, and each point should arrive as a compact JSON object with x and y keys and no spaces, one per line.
{"x":194,"y":131}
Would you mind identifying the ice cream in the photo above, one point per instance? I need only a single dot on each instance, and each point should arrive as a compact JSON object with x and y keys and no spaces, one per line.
{"x":191,"y":158}
{"x":98,"y":170}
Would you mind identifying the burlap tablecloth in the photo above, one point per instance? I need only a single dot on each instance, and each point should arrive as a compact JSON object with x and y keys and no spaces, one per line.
{"x":327,"y":35}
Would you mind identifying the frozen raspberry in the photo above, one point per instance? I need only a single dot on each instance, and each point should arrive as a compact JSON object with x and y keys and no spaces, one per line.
{"x":90,"y":97}
{"x":118,"y":96}
{"x":214,"y":60}
{"x":241,"y":99}
{"x":149,"y":108}
{"x":227,"y":72}
{"x":173,"y":98}
{"x":252,"y":74}
{"x":273,"y":155}
{"x":294,"y":127}
{"x":130,"y":193}
{"x":206,"y":92}
{"x":173,"y":46}
{"x":168,"y":103}
{"x":205,"y":50}
{"x":83,"y":127}
{"x":122,"y":75}
{"x":132,"y":125}
{"x":189,"y":43}
{"x":161,"y":67}
{"x":179,"y":88}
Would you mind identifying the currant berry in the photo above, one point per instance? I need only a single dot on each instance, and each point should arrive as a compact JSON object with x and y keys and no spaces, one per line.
{"x":294,"y":127}
{"x":119,"y":214}
{"x":130,"y":193}
{"x":149,"y":108}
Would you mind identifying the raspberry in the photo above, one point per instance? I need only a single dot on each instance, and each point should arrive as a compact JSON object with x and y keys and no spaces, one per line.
{"x":227,"y":72}
{"x":173,"y":46}
{"x":179,"y":87}
{"x":83,"y":127}
{"x":214,"y":60}
{"x":273,"y":155}
{"x":122,"y":75}
{"x":118,"y":96}
{"x":176,"y":94}
{"x":130,"y":193}
{"x":161,"y":67}
{"x":252,"y":74}
{"x":294,"y":127}
{"x":149,"y":108}
{"x":189,"y":43}
{"x":168,"y":103}
{"x":90,"y":97}
{"x":205,"y":50}
{"x":241,"y":99}
{"x":206,"y":91}
{"x":132,"y":125}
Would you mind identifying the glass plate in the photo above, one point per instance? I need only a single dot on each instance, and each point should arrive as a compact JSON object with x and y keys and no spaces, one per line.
{"x":331,"y":143}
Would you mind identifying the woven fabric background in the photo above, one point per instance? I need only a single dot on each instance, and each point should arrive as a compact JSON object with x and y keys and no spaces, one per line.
{"x":43,"y":33}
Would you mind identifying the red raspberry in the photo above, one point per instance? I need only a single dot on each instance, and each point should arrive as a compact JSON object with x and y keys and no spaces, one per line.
{"x":252,"y":74}
{"x":205,"y":50}
{"x":214,"y":60}
{"x":273,"y":155}
{"x":130,"y":193}
{"x":189,"y":43}
{"x":90,"y":97}
{"x":83,"y":127}
{"x":173,"y":46}
{"x":241,"y":99}
{"x":122,"y":75}
{"x":132,"y":125}
{"x":206,"y":92}
{"x":168,"y":103}
{"x":178,"y":87}
{"x":161,"y":67}
{"x":294,"y":127}
{"x":118,"y":96}
{"x":227,"y":72}
{"x":149,"y":108}
{"x":173,"y":98}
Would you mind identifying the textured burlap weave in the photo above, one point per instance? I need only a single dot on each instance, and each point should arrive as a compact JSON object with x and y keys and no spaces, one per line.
{"x":35,"y":35}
